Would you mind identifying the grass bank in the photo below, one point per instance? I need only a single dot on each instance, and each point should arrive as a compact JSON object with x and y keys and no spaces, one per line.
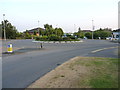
{"x":82,"y":72}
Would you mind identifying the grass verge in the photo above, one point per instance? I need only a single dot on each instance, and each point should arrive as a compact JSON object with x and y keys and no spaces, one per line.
{"x":82,"y":72}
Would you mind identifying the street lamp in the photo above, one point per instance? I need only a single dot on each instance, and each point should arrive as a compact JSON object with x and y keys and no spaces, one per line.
{"x":118,"y":14}
{"x":38,"y":28}
{"x":74,"y":28}
{"x":92,"y":29}
{"x":56,"y":29}
{"x":4,"y":26}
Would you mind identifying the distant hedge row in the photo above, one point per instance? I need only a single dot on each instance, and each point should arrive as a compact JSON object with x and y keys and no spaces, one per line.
{"x":56,"y":38}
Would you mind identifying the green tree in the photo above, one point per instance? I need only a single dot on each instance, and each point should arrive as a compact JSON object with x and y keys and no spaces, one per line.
{"x":103,"y":33}
{"x":33,"y":33}
{"x":79,"y":34}
{"x":27,"y":35}
{"x":10,"y":30}
{"x":88,"y":35}
{"x":50,"y":30}
{"x":41,"y":32}
{"x":79,"y":30}
{"x":59,"y":32}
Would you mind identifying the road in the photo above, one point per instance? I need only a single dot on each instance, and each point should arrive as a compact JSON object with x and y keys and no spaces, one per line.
{"x":30,"y":63}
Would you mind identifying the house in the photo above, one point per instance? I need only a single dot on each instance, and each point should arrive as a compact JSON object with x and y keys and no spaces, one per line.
{"x":35,"y":30}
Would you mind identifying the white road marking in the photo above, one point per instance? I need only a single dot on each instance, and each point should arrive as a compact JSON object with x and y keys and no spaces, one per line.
{"x":103,"y":49}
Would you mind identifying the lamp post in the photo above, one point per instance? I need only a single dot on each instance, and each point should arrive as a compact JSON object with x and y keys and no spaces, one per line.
{"x":38,"y":28}
{"x":92,"y":29}
{"x":56,"y":29}
{"x":119,"y":15}
{"x":4,"y":27}
{"x":74,"y":28}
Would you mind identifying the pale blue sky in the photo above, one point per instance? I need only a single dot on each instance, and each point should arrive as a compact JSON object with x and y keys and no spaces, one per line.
{"x":67,"y":14}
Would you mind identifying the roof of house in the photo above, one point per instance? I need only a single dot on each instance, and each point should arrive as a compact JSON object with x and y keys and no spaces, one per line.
{"x":35,"y":29}
{"x":86,"y":30}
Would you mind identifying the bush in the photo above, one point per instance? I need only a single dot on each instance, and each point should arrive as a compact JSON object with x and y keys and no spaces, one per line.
{"x":54,"y":38}
{"x":88,"y":35}
{"x":66,"y":38}
{"x":37,"y":38}
{"x":43,"y":38}
{"x":72,"y":37}
{"x":28,"y":37}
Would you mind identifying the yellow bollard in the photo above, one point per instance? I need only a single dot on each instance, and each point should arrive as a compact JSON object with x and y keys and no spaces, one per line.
{"x":9,"y":48}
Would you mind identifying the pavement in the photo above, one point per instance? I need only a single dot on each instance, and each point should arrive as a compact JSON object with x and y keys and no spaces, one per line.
{"x":29,"y":62}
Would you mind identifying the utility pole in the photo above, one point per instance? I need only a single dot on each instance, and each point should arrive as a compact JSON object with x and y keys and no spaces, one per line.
{"x":74,"y":28}
{"x":119,"y":15}
{"x":4,"y":27}
{"x":92,"y":29}
{"x":38,"y":28}
{"x":56,"y":30}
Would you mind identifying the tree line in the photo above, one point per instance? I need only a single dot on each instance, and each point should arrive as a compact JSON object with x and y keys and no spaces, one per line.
{"x":12,"y":32}
{"x":97,"y":34}
{"x":49,"y":30}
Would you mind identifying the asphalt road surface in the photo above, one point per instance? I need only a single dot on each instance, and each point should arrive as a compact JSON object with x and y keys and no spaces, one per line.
{"x":28,"y":63}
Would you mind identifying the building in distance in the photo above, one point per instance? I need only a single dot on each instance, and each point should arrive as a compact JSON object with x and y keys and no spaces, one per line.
{"x":35,"y":30}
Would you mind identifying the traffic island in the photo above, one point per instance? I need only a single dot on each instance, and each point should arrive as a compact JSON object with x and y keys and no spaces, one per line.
{"x":82,"y":72}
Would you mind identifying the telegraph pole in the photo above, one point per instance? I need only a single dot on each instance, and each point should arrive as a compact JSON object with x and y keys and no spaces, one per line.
{"x":4,"y":27}
{"x":92,"y":29}
{"x":38,"y":28}
{"x":56,"y":30}
{"x":74,"y":28}
{"x":119,"y":15}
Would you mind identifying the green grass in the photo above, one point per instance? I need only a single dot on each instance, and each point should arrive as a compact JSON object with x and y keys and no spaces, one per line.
{"x":106,"y":75}
{"x":103,"y":72}
{"x":103,"y":81}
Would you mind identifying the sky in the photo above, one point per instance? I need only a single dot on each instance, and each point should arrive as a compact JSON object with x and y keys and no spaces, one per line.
{"x":67,"y":14}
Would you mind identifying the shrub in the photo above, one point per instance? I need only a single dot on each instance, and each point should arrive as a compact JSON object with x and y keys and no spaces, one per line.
{"x":43,"y":38}
{"x":54,"y":38}
{"x":66,"y":38}
{"x":72,"y":37}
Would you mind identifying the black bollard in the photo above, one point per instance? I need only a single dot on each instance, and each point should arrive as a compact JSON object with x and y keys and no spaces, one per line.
{"x":41,"y":45}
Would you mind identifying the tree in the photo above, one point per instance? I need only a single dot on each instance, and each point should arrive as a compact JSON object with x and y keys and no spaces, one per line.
{"x":59,"y":32}
{"x":34,"y":33}
{"x":41,"y":32}
{"x":88,"y":35}
{"x":79,"y":34}
{"x":79,"y":30}
{"x":103,"y":33}
{"x":27,"y":35}
{"x":50,"y":30}
{"x":10,"y":30}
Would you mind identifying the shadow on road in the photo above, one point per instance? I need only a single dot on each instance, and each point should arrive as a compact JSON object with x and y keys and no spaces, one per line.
{"x":22,"y":50}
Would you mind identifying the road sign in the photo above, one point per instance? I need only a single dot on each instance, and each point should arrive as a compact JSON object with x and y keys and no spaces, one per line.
{"x":9,"y":48}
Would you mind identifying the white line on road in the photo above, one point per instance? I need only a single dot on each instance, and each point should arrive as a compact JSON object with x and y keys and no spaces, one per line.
{"x":103,"y":49}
